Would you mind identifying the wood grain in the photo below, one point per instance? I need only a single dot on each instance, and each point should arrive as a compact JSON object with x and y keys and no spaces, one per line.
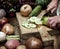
{"x":23,"y":29}
{"x":46,"y":37}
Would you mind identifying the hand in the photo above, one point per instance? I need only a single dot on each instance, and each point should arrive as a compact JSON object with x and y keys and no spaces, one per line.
{"x":54,"y":22}
{"x":52,"y":6}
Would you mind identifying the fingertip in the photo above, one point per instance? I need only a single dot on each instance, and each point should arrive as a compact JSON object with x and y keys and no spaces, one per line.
{"x":53,"y":10}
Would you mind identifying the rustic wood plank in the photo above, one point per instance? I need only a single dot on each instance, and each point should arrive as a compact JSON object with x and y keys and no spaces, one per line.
{"x":44,"y":34}
{"x":23,"y":29}
{"x":46,"y":37}
{"x":54,"y":32}
{"x":56,"y":42}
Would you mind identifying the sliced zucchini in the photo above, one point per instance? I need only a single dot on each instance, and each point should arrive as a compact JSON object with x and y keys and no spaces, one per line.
{"x":33,"y":19}
{"x":32,"y":25}
{"x":38,"y":22}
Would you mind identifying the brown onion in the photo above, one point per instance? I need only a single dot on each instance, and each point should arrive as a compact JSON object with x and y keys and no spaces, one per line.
{"x":25,"y":10}
{"x":33,"y":43}
{"x":8,"y":29}
{"x":12,"y":44}
{"x":3,"y":21}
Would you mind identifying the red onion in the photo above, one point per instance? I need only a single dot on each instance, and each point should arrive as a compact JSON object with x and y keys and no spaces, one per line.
{"x":3,"y":21}
{"x":12,"y":44}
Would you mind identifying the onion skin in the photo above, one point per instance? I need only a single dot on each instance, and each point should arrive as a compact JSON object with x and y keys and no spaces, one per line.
{"x":12,"y":44}
{"x":33,"y":43}
{"x":3,"y":21}
{"x":8,"y":29}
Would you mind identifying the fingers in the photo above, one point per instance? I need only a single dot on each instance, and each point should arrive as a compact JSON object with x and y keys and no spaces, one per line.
{"x":51,"y":18}
{"x":53,"y":10}
{"x":49,"y":7}
{"x":52,"y":22}
{"x":52,"y":7}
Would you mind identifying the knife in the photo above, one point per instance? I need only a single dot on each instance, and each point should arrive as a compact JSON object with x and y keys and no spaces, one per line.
{"x":43,"y":12}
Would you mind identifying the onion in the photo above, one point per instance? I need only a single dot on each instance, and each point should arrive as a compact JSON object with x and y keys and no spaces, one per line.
{"x":21,"y":47}
{"x":2,"y":47}
{"x":3,"y":21}
{"x":2,"y":36}
{"x":8,"y":29}
{"x":25,"y":10}
{"x":33,"y":43}
{"x":12,"y":44}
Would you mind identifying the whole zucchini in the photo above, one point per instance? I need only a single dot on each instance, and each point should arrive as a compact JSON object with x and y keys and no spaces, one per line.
{"x":35,"y":11}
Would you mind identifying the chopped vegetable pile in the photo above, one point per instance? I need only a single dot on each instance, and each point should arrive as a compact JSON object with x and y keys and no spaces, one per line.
{"x":32,"y":22}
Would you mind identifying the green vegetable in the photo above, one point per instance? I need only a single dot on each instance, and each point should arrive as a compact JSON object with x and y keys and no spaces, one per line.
{"x":35,"y":11}
{"x":32,"y":25}
{"x":43,"y":2}
{"x":25,"y":24}
{"x":12,"y":10}
{"x":38,"y":22}
{"x":33,"y":19}
{"x":45,"y":20}
{"x":13,"y":36}
{"x":32,"y":22}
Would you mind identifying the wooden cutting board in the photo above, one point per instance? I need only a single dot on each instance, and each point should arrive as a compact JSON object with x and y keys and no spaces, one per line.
{"x":24,"y":30}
